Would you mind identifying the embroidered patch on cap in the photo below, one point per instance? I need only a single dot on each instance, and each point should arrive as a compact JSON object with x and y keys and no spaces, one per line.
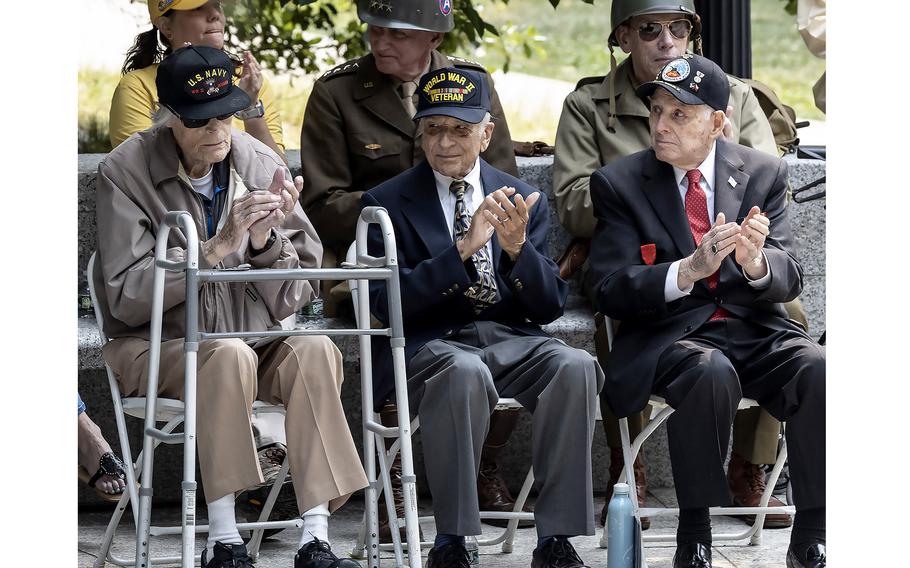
{"x":207,"y":83}
{"x":675,"y":71}
{"x":445,"y":6}
{"x":456,"y":88}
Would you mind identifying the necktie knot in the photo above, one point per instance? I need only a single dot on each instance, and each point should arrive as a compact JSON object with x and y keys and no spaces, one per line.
{"x":407,"y":89}
{"x":694,"y":176}
{"x":458,"y":187}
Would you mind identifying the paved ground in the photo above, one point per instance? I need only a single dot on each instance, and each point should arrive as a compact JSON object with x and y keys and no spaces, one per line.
{"x":279,"y":550}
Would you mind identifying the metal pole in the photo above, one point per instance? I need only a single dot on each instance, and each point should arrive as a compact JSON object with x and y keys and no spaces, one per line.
{"x":190,"y":348}
{"x":726,"y":31}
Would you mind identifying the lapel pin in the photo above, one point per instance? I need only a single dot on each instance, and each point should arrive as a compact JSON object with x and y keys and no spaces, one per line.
{"x":732,"y":182}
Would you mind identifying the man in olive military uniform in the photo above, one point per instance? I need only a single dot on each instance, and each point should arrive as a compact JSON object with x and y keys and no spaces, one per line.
{"x":358,"y":131}
{"x":603,"y":120}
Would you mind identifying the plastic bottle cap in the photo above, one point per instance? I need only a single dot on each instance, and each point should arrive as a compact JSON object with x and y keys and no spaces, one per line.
{"x":621,"y":489}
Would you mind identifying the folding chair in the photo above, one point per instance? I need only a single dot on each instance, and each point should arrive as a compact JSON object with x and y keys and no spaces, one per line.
{"x":374,"y":436}
{"x":174,"y":412}
{"x":660,"y":413}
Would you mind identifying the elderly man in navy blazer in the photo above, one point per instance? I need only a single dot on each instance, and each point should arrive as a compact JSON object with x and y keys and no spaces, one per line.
{"x":473,"y":304}
{"x":692,"y":252}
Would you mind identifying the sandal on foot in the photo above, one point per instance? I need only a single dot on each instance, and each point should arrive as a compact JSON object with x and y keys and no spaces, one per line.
{"x":109,"y":465}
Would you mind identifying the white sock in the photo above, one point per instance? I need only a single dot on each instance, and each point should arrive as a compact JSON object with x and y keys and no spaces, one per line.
{"x":315,"y":524}
{"x":222,"y":523}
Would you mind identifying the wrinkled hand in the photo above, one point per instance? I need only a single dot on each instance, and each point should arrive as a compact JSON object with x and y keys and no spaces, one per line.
{"x":509,"y":221}
{"x":245,"y":211}
{"x":755,"y":228}
{"x":728,"y":124}
{"x":478,"y":234}
{"x":722,"y":238}
{"x":288,"y":193}
{"x":251,"y":77}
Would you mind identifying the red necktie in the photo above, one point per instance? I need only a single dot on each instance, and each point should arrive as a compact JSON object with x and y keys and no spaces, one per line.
{"x":700,"y":223}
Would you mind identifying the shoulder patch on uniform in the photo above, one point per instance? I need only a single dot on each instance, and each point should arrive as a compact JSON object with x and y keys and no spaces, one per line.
{"x":343,"y":69}
{"x":589,"y":80}
{"x":461,"y":62}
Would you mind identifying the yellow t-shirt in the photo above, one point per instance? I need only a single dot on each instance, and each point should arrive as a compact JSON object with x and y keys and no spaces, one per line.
{"x":136,"y":99}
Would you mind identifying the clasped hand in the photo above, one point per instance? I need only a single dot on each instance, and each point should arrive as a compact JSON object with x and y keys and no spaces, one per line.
{"x":745,"y":241}
{"x":497,"y":214}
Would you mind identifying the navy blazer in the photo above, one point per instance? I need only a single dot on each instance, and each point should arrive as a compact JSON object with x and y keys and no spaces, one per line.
{"x":433,"y":277}
{"x":638,"y":210}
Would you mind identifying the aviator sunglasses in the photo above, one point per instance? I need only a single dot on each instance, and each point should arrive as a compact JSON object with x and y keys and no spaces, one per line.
{"x":649,"y":31}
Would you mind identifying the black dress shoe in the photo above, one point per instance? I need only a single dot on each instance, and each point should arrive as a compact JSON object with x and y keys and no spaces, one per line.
{"x":318,"y":554}
{"x":692,"y":555}
{"x":556,"y":553}
{"x":227,"y":556}
{"x":814,"y":557}
{"x":448,"y":556}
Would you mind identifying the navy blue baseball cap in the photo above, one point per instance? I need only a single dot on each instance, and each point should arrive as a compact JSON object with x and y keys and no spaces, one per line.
{"x":454,"y":92}
{"x":196,"y":81}
{"x":693,"y":80}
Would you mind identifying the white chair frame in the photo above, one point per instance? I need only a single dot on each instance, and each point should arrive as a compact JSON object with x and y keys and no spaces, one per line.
{"x":660,"y":413}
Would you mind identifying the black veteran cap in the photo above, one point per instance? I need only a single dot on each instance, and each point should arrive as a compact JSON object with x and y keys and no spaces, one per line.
{"x":694,"y":80}
{"x":454,"y":92}
{"x":196,"y":81}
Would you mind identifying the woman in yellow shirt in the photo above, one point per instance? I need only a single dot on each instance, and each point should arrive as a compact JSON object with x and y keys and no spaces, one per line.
{"x":176,"y":23}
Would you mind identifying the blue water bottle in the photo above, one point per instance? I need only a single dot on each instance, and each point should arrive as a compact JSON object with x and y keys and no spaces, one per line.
{"x":620,"y":529}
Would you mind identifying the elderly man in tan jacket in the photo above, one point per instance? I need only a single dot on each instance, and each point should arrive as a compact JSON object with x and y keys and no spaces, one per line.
{"x":246,"y":211}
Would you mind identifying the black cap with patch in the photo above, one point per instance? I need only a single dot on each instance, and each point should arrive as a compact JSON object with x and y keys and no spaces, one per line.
{"x":693,"y":80}
{"x":196,"y":81}
{"x":459,"y":93}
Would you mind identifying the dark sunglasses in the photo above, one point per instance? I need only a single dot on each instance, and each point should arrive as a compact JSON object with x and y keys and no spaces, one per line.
{"x":200,"y":122}
{"x":649,"y":31}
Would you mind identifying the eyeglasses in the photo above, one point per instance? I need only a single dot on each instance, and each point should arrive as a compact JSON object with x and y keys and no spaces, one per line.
{"x":649,"y":31}
{"x":200,"y":122}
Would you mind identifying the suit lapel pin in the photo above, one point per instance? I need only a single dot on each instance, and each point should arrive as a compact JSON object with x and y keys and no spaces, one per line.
{"x":732,"y":182}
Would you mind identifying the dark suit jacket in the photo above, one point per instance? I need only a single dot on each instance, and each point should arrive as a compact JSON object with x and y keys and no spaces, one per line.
{"x":433,"y":277}
{"x":356,"y":135}
{"x":637,"y":203}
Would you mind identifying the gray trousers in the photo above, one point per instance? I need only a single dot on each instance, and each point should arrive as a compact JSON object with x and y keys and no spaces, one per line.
{"x":454,"y":384}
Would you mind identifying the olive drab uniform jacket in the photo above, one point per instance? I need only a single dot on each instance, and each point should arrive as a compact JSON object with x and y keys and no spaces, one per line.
{"x":356,"y":134}
{"x":584,"y":143}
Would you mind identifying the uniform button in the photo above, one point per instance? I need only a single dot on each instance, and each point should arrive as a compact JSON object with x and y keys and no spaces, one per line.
{"x":518,"y":284}
{"x":455,"y":286}
{"x":719,"y":300}
{"x":448,"y":332}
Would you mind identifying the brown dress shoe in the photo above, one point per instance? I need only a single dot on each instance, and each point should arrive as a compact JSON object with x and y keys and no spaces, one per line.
{"x":492,"y":492}
{"x":641,"y":484}
{"x":747,"y":483}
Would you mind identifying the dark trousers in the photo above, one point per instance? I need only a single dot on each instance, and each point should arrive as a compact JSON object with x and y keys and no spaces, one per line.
{"x":704,"y":376}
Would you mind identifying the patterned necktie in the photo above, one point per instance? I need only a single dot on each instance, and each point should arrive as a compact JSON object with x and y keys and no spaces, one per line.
{"x":699,"y":224}
{"x":484,"y":292}
{"x":408,"y":89}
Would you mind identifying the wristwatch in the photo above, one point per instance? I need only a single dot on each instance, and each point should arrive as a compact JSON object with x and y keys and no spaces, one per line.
{"x":253,"y":111}
{"x":268,"y":244}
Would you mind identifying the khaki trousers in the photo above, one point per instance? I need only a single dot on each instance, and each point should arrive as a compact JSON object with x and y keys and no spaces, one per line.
{"x":303,"y":373}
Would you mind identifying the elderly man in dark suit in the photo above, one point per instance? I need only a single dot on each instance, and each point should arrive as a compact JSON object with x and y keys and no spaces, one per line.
{"x":473,"y":306}
{"x":700,"y":304}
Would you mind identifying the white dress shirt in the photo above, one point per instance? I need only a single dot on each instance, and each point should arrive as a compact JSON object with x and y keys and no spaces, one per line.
{"x":671,"y":285}
{"x":473,"y":197}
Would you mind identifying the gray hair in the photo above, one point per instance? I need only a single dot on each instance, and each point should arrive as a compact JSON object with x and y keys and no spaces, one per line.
{"x":487,"y":119}
{"x":162,"y":117}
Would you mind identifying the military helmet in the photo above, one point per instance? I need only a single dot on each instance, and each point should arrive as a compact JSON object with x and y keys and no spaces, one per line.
{"x":425,"y":15}
{"x":622,"y":10}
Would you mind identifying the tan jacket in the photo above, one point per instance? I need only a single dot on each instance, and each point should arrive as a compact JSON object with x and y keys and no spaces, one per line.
{"x":138,"y":183}
{"x":584,"y":144}
{"x":356,"y":134}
